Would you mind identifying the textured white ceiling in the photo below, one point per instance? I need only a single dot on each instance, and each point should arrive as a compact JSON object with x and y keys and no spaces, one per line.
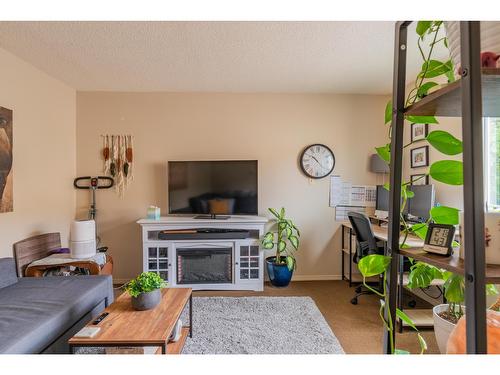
{"x":334,"y":57}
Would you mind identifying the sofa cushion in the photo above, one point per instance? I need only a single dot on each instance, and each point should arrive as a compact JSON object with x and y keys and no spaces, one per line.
{"x":7,"y":272}
{"x":34,"y":312}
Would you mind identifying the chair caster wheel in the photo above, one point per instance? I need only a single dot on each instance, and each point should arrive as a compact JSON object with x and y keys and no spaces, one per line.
{"x":412,"y":304}
{"x":354,"y":301}
{"x":358,"y":289}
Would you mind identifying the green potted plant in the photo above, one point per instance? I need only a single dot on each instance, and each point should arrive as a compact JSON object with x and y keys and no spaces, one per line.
{"x":285,"y":237}
{"x":145,"y":290}
{"x":445,"y":315}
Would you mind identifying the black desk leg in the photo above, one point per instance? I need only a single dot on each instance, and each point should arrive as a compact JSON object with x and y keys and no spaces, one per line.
{"x":191,"y":315}
{"x":164,"y":348}
{"x":342,"y":252}
{"x":400,"y":289}
{"x":350,"y":257}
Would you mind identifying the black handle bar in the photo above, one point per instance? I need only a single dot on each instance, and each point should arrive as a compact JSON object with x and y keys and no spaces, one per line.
{"x":93,"y":182}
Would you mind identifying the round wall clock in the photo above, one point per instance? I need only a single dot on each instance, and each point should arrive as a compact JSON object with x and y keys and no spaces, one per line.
{"x":317,"y":161}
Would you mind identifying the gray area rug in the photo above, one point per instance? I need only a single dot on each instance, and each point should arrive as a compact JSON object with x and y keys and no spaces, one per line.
{"x":259,"y":325}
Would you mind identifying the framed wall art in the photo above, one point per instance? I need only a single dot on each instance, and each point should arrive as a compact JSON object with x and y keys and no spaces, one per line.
{"x":419,"y":157}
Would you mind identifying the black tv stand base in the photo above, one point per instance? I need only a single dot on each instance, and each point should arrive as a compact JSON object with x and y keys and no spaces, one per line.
{"x":212,"y":217}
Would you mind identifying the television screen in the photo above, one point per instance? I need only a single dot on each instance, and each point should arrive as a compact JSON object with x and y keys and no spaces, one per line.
{"x":213,"y":187}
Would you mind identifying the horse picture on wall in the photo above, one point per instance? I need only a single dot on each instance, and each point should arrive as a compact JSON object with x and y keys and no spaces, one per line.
{"x":6,"y":199}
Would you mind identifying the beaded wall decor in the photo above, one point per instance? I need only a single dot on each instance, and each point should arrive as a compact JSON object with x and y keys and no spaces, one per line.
{"x":118,"y":161}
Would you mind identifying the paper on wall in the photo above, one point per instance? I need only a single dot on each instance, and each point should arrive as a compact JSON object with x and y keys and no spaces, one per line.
{"x":346,"y":194}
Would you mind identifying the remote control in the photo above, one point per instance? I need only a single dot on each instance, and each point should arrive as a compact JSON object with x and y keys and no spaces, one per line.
{"x":100,"y":318}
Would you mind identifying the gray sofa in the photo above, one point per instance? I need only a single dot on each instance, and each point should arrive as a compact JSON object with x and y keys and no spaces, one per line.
{"x":39,"y":315}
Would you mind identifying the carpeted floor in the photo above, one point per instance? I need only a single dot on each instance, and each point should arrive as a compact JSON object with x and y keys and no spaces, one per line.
{"x":259,"y":325}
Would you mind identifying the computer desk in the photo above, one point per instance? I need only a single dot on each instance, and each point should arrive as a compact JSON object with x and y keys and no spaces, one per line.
{"x":421,"y":317}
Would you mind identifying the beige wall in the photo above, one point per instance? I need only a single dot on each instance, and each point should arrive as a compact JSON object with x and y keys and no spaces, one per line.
{"x":272,"y":128}
{"x":44,"y":116}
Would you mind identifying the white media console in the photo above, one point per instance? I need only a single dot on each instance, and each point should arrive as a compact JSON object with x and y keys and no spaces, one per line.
{"x":179,"y":249}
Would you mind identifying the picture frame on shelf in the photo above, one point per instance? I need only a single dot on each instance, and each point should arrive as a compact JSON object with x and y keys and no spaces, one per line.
{"x":419,"y":132}
{"x":419,"y":179}
{"x":419,"y":157}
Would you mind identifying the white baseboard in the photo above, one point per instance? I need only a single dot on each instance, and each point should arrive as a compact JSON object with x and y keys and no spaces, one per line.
{"x":295,"y":278}
{"x":316,"y":277}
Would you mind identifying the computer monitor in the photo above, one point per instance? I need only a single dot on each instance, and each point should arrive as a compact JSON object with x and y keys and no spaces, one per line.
{"x":382,"y":202}
{"x":420,"y":205}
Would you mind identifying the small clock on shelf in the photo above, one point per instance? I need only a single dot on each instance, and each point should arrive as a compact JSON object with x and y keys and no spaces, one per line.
{"x":439,"y":239}
{"x":317,"y":161}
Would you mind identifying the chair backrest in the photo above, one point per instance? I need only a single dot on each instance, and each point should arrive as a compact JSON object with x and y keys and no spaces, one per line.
{"x":366,"y":241}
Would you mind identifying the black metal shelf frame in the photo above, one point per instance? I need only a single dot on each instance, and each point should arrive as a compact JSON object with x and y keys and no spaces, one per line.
{"x":472,"y":137}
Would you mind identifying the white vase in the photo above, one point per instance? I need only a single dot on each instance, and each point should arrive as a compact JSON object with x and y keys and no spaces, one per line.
{"x":442,"y":327}
{"x":490,"y":38}
{"x":492,"y":225}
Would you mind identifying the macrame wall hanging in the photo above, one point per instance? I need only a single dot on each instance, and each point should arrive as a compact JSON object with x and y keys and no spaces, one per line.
{"x":117,"y":153}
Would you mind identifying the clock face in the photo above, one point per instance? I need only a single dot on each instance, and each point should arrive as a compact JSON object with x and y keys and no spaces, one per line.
{"x":317,"y":161}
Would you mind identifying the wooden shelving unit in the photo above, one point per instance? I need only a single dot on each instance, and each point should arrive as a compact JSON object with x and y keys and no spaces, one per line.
{"x":446,"y":101}
{"x":452,"y":263}
{"x":475,"y":96}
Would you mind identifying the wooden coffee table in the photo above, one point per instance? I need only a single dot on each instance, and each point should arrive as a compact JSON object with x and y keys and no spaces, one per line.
{"x":126,"y":327}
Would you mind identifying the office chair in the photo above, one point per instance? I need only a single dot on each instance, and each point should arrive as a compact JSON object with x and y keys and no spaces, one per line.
{"x":366,"y":244}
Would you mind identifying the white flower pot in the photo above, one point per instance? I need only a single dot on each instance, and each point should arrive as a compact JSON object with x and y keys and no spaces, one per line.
{"x":490,"y":38}
{"x":442,"y":327}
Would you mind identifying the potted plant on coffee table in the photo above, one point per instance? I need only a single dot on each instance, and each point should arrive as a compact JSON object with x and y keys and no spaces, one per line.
{"x":285,"y":237}
{"x":145,"y":290}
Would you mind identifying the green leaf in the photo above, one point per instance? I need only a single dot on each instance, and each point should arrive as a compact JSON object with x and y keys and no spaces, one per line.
{"x":434,"y":68}
{"x":290,"y":262}
{"x":445,"y":215}
{"x":422,"y":274}
{"x":422,"y":27}
{"x":281,"y":246}
{"x":388,"y":112}
{"x":401,"y":351}
{"x":445,"y":142}
{"x":491,"y":290}
{"x":447,"y":171}
{"x":274,"y":212}
{"x":288,"y":231}
{"x":387,"y":186}
{"x":269,"y":236}
{"x":420,"y":230}
{"x":454,"y":289}
{"x":282,"y":225}
{"x":384,"y":152}
{"x":422,"y":342}
{"x":424,"y":89}
{"x":405,"y":318}
{"x":422,"y":119}
{"x":268,"y":245}
{"x":373,"y":264}
{"x":282,"y":213}
{"x":294,"y":241}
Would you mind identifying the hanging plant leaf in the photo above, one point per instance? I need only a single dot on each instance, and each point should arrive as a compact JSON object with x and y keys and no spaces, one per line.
{"x":388,"y":112}
{"x":384,"y":152}
{"x":422,"y":119}
{"x":112,"y":169}
{"x":444,"y":142}
{"x":445,"y":215}
{"x":448,"y":172}
{"x":420,"y":230}
{"x":374,"y":264}
{"x":424,"y":89}
{"x":434,"y":68}
{"x":422,"y":27}
{"x":125,"y":169}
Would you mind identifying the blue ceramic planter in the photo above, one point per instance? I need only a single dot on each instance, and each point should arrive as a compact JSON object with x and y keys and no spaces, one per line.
{"x":279,"y":274}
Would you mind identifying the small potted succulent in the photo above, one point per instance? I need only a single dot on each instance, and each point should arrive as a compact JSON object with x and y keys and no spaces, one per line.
{"x":286,"y":239}
{"x":145,"y":290}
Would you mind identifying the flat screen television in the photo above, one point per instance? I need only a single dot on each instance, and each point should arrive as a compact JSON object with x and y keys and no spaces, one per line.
{"x":215,"y":187}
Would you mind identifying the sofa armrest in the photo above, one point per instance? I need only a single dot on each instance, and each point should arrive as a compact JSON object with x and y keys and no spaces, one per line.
{"x":8,"y":275}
